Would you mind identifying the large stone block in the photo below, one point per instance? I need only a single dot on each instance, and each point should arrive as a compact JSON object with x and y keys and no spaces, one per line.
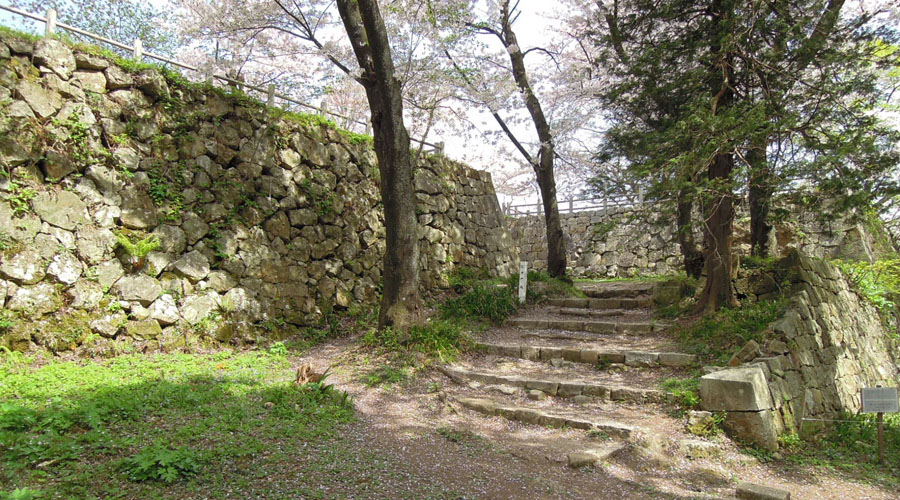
{"x":737,"y":389}
{"x":754,"y":427}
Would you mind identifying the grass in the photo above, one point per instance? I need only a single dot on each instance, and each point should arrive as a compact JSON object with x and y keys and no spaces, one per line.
{"x":851,"y":447}
{"x":171,"y":426}
{"x":685,"y":390}
{"x":716,"y":337}
{"x":481,"y":298}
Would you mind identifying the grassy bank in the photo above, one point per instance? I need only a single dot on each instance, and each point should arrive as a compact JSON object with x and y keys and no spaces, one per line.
{"x":217,"y":425}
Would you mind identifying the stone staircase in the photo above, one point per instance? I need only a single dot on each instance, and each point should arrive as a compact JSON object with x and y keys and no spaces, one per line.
{"x":557,"y":365}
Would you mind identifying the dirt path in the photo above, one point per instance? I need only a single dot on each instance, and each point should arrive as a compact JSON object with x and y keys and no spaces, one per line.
{"x":441,"y":449}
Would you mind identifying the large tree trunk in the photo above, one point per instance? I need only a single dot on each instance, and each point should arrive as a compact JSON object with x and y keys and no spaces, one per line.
{"x":719,"y":226}
{"x":543,"y":167}
{"x":691,"y":255}
{"x":718,"y":291}
{"x":556,"y":243}
{"x":401,"y":305}
{"x":760,"y":198}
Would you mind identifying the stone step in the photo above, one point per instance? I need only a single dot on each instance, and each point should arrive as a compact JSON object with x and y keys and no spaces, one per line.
{"x":547,"y":419}
{"x":592,"y":356}
{"x":588,"y":313}
{"x":635,"y":328}
{"x":561,"y":388}
{"x":607,"y":303}
{"x":620,"y":290}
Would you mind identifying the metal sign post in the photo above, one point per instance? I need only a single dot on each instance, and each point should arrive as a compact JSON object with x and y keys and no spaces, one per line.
{"x":880,"y":400}
{"x":523,"y":280}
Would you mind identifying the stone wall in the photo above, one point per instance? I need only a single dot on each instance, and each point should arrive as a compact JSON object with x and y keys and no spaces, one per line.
{"x":829,"y":344}
{"x":628,"y":241}
{"x":263,"y":219}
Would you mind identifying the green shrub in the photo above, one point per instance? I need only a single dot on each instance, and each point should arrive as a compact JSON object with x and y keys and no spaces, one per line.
{"x":161,"y":463}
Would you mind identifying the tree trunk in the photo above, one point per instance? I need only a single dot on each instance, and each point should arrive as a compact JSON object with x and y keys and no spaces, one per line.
{"x":719,"y":226}
{"x":543,"y":167}
{"x":692,"y":255}
{"x":401,"y":305}
{"x":556,"y":243}
{"x":760,"y":198}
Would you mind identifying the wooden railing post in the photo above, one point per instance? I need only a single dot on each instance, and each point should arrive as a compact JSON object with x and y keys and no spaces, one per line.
{"x":50,"y":27}
{"x":138,"y":49}
{"x":271,"y":97}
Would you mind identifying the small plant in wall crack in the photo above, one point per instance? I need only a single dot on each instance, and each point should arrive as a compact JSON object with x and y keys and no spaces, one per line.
{"x":137,"y":250}
{"x":20,"y":198}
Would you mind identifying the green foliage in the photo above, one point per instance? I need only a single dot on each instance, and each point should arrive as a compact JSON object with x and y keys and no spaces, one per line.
{"x":462,"y":278}
{"x":7,"y":320}
{"x":22,"y":494}
{"x":161,"y":463}
{"x":708,"y":428}
{"x":320,"y":199}
{"x":717,"y":336}
{"x":685,"y":390}
{"x":20,"y":197}
{"x":549,"y":287}
{"x":6,"y":241}
{"x":601,"y":229}
{"x":387,"y":374}
{"x":757,"y":262}
{"x":484,"y":301}
{"x":19,"y":34}
{"x":435,"y":338}
{"x":879,"y":283}
{"x":850,"y":445}
{"x":140,"y":248}
{"x":278,"y":349}
{"x":78,"y":146}
{"x":166,"y":190}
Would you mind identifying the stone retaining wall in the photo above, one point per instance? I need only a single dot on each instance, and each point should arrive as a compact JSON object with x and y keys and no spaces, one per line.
{"x":263,"y":220}
{"x":626,"y":241}
{"x":829,"y":344}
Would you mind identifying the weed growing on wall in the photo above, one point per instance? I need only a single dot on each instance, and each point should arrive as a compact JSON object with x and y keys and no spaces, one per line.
{"x":879,"y":283}
{"x":138,"y":250}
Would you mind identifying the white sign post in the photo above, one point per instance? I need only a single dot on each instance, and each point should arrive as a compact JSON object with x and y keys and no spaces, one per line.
{"x":523,"y":280}
{"x":880,"y":400}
